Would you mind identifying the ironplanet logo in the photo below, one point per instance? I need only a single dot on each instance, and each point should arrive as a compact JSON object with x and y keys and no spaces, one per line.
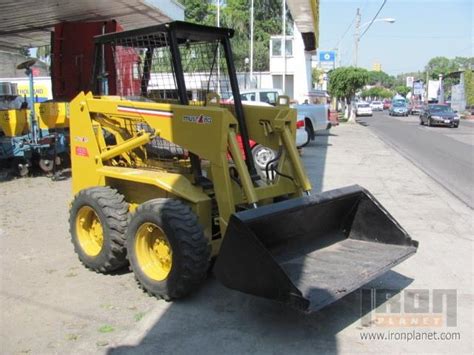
{"x":201,"y":119}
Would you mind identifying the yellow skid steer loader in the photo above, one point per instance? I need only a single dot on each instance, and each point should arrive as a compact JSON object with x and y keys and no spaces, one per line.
{"x":163,"y":180}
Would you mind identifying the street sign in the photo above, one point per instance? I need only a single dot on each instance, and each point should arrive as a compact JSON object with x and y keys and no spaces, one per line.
{"x":327,"y":56}
{"x":417,"y":88}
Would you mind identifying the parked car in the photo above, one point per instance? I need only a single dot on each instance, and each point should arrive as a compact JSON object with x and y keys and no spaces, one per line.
{"x":398,"y":108}
{"x":439,"y":115}
{"x":417,"y":109}
{"x":268,"y":96}
{"x":386,"y":104}
{"x":312,"y":118}
{"x":376,"y":105}
{"x":363,"y":109}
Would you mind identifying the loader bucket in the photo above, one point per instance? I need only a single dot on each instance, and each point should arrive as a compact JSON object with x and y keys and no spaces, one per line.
{"x":310,"y":251}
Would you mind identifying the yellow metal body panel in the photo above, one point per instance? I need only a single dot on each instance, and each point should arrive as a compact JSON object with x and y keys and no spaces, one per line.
{"x":176,"y":185}
{"x":84,"y":147}
{"x":52,"y":115}
{"x":207,"y":131}
{"x":49,"y":115}
{"x":14,"y":122}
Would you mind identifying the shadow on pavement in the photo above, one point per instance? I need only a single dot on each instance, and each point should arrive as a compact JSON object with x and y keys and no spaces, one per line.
{"x":314,"y":158}
{"x":218,"y":320}
{"x":362,"y":123}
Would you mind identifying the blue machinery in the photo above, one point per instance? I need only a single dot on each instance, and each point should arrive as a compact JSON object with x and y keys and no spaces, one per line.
{"x":32,"y":137}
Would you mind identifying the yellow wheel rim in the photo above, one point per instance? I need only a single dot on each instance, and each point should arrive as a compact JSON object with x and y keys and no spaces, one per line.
{"x":153,"y":251}
{"x":89,"y":231}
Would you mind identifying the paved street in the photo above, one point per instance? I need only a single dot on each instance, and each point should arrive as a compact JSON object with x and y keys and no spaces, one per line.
{"x":446,"y":154}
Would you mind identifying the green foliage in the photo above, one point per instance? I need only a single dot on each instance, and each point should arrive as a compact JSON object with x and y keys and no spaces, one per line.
{"x":345,"y":81}
{"x":469,"y":87}
{"x":439,"y":65}
{"x":24,"y":51}
{"x":236,"y":14}
{"x":315,"y":75}
{"x":378,"y":92}
{"x":198,"y":11}
{"x":107,"y":328}
{"x":402,"y":90}
{"x":401,"y":79}
{"x":381,"y":78}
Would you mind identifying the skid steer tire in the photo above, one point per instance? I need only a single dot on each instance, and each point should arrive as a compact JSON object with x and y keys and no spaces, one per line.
{"x":167,"y":249}
{"x":98,"y":221}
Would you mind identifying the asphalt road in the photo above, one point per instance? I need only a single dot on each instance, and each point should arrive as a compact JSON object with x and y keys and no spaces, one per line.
{"x":446,"y":154}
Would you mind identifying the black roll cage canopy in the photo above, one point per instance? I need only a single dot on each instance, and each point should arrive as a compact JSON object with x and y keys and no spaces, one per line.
{"x":180,"y":32}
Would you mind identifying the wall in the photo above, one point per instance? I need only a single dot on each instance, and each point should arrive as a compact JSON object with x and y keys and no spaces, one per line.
{"x":9,"y":61}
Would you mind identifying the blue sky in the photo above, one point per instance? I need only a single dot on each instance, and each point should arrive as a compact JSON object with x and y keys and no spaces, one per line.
{"x":423,"y":29}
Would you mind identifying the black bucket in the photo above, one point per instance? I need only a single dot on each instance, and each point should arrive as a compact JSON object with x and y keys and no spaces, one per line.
{"x":310,"y":251}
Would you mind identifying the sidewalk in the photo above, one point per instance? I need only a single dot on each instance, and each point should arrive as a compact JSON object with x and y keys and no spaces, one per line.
{"x":234,"y":323}
{"x":51,"y":304}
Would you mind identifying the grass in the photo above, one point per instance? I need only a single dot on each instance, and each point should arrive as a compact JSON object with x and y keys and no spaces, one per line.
{"x":107,"y":328}
{"x":138,"y":317}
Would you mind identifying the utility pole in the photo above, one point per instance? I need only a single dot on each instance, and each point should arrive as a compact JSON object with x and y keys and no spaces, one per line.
{"x":283,"y":46}
{"x":251,"y":41}
{"x":441,"y":90}
{"x":218,"y":4}
{"x":356,"y":37}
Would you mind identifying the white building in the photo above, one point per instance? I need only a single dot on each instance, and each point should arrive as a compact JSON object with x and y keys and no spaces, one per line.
{"x":294,"y":65}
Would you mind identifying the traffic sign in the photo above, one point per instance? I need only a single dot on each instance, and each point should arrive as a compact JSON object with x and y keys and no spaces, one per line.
{"x":327,"y":56}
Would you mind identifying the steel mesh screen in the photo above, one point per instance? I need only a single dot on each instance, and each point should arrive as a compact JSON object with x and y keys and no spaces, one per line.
{"x":144,"y":69}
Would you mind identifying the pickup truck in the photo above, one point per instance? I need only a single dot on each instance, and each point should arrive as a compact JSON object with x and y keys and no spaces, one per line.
{"x":311,"y":118}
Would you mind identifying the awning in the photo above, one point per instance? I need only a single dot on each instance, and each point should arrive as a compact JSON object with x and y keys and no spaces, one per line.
{"x":305,"y":13}
{"x":28,"y":23}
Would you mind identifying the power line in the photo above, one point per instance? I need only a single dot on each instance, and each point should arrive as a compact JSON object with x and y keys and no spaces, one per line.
{"x":373,"y":19}
{"x":345,"y":32}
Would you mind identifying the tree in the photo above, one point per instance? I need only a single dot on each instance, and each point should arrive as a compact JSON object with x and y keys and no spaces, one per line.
{"x":236,"y":14}
{"x":469,"y":87}
{"x":381,"y":78}
{"x":459,"y":63}
{"x":316,"y":75}
{"x":439,"y":65}
{"x":344,"y":82}
{"x":401,"y":79}
{"x":197,"y":11}
{"x":377,"y":92}
{"x":25,"y":51}
{"x":402,"y":90}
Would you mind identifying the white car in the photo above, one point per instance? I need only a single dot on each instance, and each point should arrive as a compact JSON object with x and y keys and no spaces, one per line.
{"x":363,"y":109}
{"x":376,"y":105}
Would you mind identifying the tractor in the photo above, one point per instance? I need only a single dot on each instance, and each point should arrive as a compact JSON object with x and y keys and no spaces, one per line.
{"x":161,"y":183}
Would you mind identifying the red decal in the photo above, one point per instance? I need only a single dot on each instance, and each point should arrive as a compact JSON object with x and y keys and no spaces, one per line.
{"x":82,"y":152}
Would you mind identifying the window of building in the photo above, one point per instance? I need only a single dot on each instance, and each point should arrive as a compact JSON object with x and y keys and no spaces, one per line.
{"x":289,"y":47}
{"x":277,"y":47}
